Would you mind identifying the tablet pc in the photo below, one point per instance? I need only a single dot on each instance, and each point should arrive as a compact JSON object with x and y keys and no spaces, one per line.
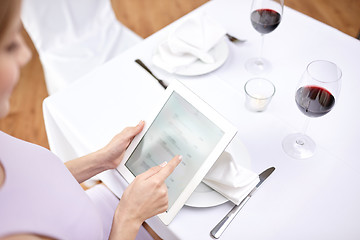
{"x":182,"y":124}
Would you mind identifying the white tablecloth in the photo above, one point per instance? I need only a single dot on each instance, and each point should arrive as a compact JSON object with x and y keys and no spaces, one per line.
{"x":314,"y":198}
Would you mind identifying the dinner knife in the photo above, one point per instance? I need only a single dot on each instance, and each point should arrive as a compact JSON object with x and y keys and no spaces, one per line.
{"x":161,"y":82}
{"x":224,"y":223}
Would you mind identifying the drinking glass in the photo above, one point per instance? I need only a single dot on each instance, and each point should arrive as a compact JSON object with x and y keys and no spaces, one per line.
{"x":316,"y":94}
{"x":265,"y":17}
{"x":258,"y":92}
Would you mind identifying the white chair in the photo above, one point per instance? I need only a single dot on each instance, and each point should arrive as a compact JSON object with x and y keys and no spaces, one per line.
{"x":73,"y":37}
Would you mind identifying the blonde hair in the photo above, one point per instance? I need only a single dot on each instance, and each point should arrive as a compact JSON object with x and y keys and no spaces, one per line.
{"x":8,"y":10}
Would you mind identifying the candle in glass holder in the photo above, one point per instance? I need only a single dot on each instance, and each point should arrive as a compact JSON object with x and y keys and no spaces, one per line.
{"x":259,"y":92}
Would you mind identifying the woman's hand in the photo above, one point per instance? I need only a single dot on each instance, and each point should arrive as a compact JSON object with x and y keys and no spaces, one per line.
{"x":113,"y":152}
{"x":145,"y":197}
{"x":106,"y":158}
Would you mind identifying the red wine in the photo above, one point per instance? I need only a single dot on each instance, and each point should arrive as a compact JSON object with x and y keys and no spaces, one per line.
{"x":265,"y":20}
{"x":314,"y":101}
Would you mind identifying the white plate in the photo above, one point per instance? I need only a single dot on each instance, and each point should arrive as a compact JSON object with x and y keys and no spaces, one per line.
{"x":204,"y":196}
{"x":220,"y":52}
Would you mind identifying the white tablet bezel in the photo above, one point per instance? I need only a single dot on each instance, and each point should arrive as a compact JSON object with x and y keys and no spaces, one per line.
{"x":228,"y":129}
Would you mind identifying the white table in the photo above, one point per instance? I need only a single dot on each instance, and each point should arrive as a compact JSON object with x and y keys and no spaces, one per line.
{"x":316,"y":198}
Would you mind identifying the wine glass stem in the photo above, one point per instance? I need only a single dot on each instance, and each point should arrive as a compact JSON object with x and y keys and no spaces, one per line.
{"x":262,"y":46}
{"x":303,"y":131}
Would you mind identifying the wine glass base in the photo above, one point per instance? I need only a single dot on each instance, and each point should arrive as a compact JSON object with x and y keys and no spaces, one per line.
{"x":299,"y":146}
{"x":258,"y":65}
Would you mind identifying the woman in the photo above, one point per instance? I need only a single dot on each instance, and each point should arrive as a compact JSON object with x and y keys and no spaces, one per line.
{"x":40,"y":197}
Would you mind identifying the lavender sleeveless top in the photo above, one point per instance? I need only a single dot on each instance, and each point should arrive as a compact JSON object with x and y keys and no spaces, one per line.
{"x":40,"y":196}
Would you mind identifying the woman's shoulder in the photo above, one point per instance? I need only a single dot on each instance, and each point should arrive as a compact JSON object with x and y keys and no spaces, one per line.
{"x":15,"y":152}
{"x":10,"y":142}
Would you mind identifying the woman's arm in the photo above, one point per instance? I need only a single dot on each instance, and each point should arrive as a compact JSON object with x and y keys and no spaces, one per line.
{"x":87,"y":166}
{"x":106,"y":158}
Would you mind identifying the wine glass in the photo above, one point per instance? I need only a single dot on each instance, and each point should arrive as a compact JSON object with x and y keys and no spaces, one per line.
{"x":265,"y":17}
{"x":316,"y":94}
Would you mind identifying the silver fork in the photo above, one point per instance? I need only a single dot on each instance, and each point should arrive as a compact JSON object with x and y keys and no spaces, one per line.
{"x":234,"y":39}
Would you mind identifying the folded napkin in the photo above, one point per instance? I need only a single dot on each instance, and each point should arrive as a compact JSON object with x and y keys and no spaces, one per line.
{"x":230,"y":179}
{"x":190,"y":41}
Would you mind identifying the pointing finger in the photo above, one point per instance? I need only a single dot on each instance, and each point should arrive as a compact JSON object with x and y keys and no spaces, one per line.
{"x":168,"y":168}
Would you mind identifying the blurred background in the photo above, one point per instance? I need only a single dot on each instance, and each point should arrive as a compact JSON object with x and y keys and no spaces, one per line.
{"x":25,"y":120}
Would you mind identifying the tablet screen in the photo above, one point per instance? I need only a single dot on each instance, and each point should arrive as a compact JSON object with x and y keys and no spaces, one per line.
{"x":181,"y":129}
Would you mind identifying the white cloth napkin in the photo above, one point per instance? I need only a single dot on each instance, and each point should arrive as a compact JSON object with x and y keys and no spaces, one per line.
{"x":230,"y":179}
{"x":190,"y":41}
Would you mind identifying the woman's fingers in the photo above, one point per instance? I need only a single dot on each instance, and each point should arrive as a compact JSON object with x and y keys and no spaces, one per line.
{"x":168,"y":168}
{"x":131,"y":132}
{"x":163,"y":170}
